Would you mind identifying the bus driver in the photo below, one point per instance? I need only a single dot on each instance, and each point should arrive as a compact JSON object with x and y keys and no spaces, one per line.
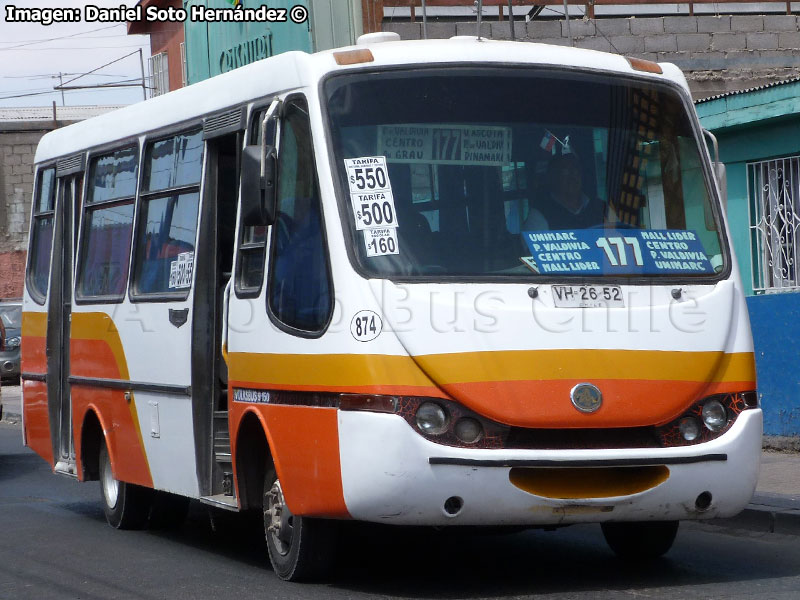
{"x":565,"y":205}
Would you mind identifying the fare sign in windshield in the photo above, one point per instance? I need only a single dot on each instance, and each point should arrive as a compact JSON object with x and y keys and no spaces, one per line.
{"x":608,"y":252}
{"x":445,"y":145}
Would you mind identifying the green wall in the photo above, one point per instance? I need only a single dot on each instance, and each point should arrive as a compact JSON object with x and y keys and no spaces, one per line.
{"x":214,"y":48}
{"x":751,"y":127}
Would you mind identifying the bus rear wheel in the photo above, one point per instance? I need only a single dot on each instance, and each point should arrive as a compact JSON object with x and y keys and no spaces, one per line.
{"x":640,"y":541}
{"x":126,"y":506}
{"x":300,"y":548}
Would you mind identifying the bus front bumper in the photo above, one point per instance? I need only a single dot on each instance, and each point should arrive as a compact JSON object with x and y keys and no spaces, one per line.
{"x":391,"y":474}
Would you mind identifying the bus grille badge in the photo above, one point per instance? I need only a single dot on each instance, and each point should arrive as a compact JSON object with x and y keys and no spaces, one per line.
{"x":586,"y":397}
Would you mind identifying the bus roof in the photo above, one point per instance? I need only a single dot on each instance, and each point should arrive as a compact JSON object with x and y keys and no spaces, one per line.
{"x":295,"y":70}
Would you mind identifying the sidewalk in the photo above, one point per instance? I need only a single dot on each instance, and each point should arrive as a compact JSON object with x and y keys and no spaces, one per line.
{"x":775,"y":507}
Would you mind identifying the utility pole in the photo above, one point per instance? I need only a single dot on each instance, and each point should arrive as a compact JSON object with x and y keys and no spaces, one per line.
{"x":144,"y":84}
{"x":61,"y":83}
{"x":569,"y":29}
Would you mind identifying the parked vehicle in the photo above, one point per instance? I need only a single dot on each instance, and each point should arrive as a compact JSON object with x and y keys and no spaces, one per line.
{"x":11,"y":315}
{"x":444,"y":283}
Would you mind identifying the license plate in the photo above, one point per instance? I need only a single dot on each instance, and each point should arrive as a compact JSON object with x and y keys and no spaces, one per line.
{"x":587,"y":296}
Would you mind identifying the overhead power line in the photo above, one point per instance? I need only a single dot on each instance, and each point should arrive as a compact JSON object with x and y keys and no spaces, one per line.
{"x":61,"y":37}
{"x":92,"y":37}
{"x":78,"y":48}
{"x":116,"y":60}
{"x":51,"y":75}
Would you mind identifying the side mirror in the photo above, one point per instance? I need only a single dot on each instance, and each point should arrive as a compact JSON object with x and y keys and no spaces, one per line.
{"x":722,"y":183}
{"x":259,"y":193}
{"x":719,"y":169}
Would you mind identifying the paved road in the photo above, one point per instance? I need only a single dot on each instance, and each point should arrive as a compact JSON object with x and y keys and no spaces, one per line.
{"x":12,"y":401}
{"x":54,"y":544}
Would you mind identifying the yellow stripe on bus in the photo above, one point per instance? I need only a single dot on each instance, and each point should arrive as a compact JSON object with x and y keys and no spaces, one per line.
{"x":99,"y":326}
{"x":326,"y":369}
{"x":648,"y":365}
{"x":371,"y":369}
{"x":34,"y":324}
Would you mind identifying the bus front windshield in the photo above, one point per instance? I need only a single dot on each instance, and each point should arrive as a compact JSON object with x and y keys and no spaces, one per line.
{"x":476,"y":172}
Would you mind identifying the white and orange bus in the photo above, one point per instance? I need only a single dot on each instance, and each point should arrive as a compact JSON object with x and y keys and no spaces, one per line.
{"x":454,"y":282}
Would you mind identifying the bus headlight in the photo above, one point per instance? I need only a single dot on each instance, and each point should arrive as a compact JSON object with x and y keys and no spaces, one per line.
{"x":468,"y":430}
{"x":715,"y":416}
{"x":689,"y":428}
{"x":12,"y":342}
{"x":439,"y":420}
{"x":431,"y":418}
{"x":706,"y":420}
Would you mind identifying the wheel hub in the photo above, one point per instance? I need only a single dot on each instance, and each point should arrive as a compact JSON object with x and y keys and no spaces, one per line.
{"x":278,"y":519}
{"x":110,"y":485}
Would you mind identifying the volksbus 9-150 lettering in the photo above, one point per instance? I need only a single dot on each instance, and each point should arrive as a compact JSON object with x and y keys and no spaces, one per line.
{"x":441,"y":283}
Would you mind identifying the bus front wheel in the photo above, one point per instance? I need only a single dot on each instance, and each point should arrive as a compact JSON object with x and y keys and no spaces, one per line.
{"x":126,"y":506}
{"x":300,"y":548}
{"x":640,"y":541}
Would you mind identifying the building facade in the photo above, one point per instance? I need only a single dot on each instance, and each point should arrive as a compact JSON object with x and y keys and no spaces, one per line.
{"x":759,"y":141}
{"x":167,"y":63}
{"x":218,"y":47}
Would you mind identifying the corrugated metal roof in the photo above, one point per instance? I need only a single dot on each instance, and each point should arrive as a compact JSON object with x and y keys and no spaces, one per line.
{"x":747,"y":90}
{"x":45,"y":113}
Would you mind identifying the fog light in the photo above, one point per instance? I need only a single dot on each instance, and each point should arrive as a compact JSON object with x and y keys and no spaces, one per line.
{"x":689,"y":429}
{"x":715,"y":416}
{"x":468,"y":430}
{"x":431,"y":418}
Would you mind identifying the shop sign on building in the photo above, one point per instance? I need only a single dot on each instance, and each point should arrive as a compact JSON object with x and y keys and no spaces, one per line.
{"x":218,"y":46}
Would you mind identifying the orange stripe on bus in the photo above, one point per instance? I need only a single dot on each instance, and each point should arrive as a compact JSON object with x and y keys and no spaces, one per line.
{"x":33,"y":357}
{"x":96,"y":351}
{"x":305,"y":450}
{"x":100,"y":327}
{"x":522,"y":388}
{"x":547,"y":404}
{"x":125,"y":446}
{"x":37,"y":419}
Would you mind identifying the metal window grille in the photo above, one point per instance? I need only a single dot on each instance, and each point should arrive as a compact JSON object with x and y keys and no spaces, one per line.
{"x":184,"y":68}
{"x":159,"y":74}
{"x":774,"y":194}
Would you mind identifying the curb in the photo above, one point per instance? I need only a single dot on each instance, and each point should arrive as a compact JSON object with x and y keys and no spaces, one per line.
{"x":767,"y":513}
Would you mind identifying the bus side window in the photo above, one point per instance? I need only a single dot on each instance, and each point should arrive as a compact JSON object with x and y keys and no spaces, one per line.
{"x":300,"y":290}
{"x":41,"y":242}
{"x":253,"y":238}
{"x":170,"y":198}
{"x":108,"y":221}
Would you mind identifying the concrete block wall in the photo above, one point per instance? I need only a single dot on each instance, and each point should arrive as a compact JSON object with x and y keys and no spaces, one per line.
{"x":17,"y":148}
{"x":12,"y":268}
{"x":718,"y":53}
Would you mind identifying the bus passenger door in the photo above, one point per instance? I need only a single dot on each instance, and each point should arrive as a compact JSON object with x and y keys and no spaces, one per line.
{"x":59,"y":319}
{"x":213,"y":272}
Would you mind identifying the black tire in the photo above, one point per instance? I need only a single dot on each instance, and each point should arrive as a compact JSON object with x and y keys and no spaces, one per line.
{"x":300,"y":548}
{"x":640,"y":541}
{"x":127,"y":506}
{"x":168,"y":511}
